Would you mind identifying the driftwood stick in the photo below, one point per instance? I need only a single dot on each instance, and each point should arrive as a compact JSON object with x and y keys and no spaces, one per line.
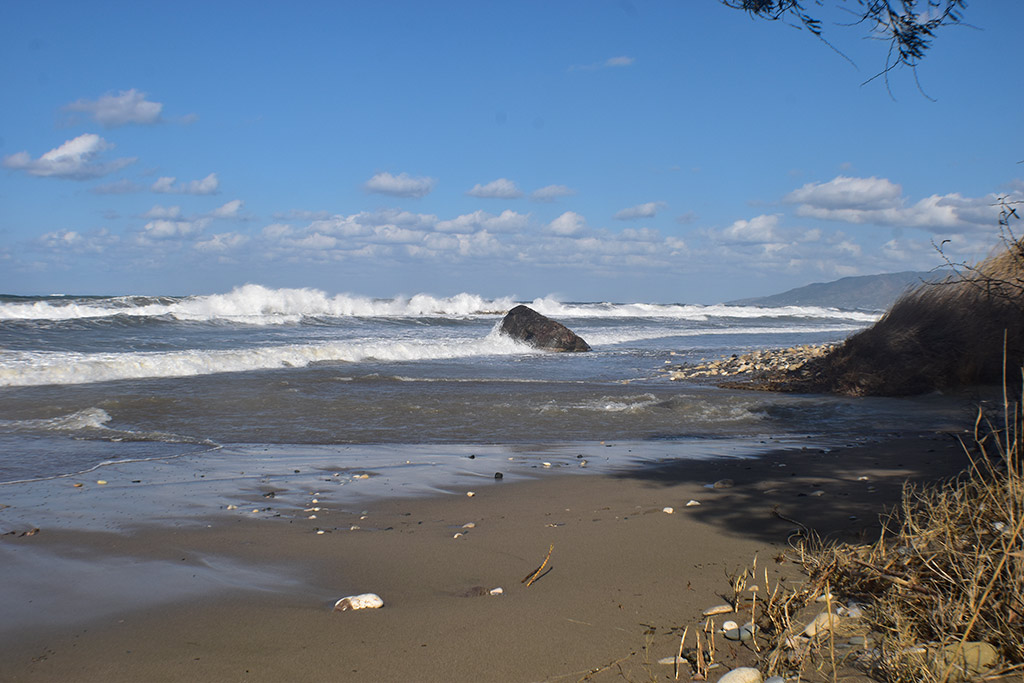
{"x":535,"y":574}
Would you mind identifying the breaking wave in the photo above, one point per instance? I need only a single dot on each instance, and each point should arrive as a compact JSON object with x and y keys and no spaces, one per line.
{"x":258,"y":305}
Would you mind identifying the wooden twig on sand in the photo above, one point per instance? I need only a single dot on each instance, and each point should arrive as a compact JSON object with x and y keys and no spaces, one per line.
{"x":535,"y":574}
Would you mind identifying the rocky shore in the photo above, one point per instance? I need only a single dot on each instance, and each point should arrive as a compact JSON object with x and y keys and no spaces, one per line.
{"x":758,"y":365}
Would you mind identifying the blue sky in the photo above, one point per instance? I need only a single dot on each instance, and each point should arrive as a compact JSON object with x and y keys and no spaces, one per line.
{"x":626,"y":151}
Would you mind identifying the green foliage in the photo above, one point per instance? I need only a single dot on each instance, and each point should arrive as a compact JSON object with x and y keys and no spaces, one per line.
{"x":908,"y":25}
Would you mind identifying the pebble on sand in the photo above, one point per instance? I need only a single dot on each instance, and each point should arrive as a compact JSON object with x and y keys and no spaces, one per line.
{"x":743,"y":674}
{"x":717,"y":609}
{"x":361,"y":601}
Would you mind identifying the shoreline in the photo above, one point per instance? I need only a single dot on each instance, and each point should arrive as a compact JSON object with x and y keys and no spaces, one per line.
{"x":236,"y":598}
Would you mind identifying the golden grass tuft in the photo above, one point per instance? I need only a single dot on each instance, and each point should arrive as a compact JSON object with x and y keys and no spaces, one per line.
{"x":946,"y":572}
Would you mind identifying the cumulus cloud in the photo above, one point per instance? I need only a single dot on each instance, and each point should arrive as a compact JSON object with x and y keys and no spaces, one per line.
{"x":550,"y":193}
{"x":76,"y":159}
{"x":169,"y":185}
{"x":648,"y":210}
{"x":502,"y":188}
{"x":166,"y":229}
{"x":880,"y":202}
{"x":508,"y":221}
{"x":221,"y":242}
{"x":163,"y":212}
{"x":111,"y":111}
{"x":568,"y":224}
{"x":72,"y":241}
{"x":401,"y":185}
{"x":228,"y":210}
{"x":758,"y":230}
{"x":843,"y":192}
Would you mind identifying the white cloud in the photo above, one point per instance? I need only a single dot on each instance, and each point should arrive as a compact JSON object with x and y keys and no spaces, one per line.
{"x":228,"y":210}
{"x":648,"y":210}
{"x":73,"y":160}
{"x":111,"y":111}
{"x":568,"y":224}
{"x":502,"y":188}
{"x":401,"y":185}
{"x":620,"y":61}
{"x":508,"y":221}
{"x":758,"y":230}
{"x":72,"y":241}
{"x":880,"y":202}
{"x":224,"y":241}
{"x":550,"y":193}
{"x":163,"y":212}
{"x":164,"y":229}
{"x":843,"y":192}
{"x":166,"y":185}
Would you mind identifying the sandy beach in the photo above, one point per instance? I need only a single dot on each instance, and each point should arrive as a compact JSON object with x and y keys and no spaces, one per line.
{"x":225,"y":596}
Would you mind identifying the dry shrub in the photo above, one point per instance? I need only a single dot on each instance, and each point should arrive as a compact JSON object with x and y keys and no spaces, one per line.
{"x":947,"y":569}
{"x":939,"y":336}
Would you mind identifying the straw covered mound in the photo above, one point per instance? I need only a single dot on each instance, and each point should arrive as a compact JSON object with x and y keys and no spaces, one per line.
{"x":937,"y":337}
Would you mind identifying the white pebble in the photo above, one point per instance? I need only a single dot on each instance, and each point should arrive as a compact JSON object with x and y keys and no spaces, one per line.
{"x":717,"y":609}
{"x":469,"y":525}
{"x":362,"y":601}
{"x":691,"y":503}
{"x":744,"y":674}
{"x":673,"y":660}
{"x":232,"y":507}
{"x":667,"y":510}
{"x":470,"y":494}
{"x":319,"y":532}
{"x":496,"y":591}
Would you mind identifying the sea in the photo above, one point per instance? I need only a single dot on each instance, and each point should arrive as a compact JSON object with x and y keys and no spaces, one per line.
{"x":91,"y":381}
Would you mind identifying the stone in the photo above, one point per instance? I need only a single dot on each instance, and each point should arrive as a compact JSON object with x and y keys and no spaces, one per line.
{"x":821,"y":624}
{"x":973,"y":659}
{"x":524,"y":324}
{"x":743,"y":674}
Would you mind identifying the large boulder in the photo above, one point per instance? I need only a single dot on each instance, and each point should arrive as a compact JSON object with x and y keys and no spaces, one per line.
{"x":527,"y":325}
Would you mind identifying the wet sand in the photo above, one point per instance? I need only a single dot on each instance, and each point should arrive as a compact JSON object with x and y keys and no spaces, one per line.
{"x":227,"y":596}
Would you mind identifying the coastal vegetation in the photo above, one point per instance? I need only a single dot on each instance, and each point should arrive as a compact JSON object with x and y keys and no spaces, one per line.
{"x":937,"y":597}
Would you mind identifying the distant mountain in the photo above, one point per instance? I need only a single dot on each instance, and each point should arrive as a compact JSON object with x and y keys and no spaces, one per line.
{"x":861,"y":293}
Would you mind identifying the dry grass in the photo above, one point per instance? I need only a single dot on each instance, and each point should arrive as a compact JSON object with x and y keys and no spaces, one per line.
{"x":939,"y":336}
{"x":947,"y":570}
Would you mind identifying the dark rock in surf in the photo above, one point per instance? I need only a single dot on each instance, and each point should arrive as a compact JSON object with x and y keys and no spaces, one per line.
{"x":527,"y":325}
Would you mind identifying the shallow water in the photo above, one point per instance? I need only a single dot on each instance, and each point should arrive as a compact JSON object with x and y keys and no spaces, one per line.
{"x":84,"y":380}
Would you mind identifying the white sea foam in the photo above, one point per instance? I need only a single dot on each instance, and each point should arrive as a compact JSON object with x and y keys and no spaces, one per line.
{"x":258,"y":305}
{"x":40,"y":367}
{"x":89,"y":418}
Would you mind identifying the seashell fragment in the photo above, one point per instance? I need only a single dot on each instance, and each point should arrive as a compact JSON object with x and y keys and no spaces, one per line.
{"x":717,"y":609}
{"x":496,"y":591}
{"x":470,"y":494}
{"x":667,"y":510}
{"x":469,"y":525}
{"x":232,"y":507}
{"x":743,"y":674}
{"x":691,"y":503}
{"x":362,"y":601}
{"x":101,"y":482}
{"x":673,"y":660}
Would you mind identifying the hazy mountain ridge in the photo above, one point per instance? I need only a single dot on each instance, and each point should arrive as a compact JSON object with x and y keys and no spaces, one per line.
{"x":857,"y":293}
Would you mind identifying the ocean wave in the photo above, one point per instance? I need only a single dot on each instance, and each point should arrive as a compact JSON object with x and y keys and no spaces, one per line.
{"x":253,"y":304}
{"x":48,"y":368}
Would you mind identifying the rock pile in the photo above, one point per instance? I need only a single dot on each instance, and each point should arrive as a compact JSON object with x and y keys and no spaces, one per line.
{"x":752,"y":365}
